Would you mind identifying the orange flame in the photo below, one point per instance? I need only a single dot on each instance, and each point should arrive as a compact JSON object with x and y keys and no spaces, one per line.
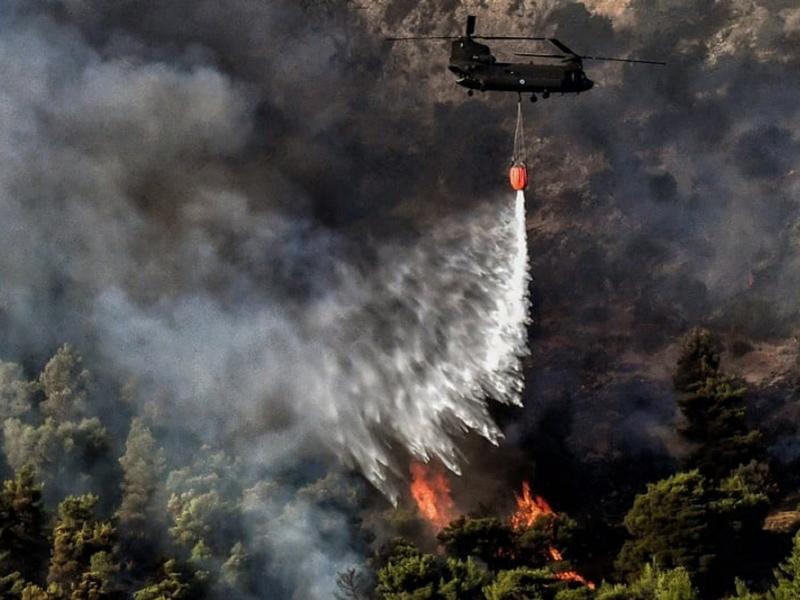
{"x":431,"y":492}
{"x":531,"y":508}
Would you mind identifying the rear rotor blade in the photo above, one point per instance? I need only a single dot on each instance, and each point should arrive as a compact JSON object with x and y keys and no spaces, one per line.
{"x":628,"y":60}
{"x":562,"y":47}
{"x":543,"y":55}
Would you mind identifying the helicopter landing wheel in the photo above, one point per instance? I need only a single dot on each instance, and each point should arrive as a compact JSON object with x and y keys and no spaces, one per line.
{"x":470,"y":92}
{"x":533,"y":97}
{"x":545,"y":95}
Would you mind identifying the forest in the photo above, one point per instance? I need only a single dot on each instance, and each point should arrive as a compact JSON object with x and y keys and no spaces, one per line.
{"x":86,"y":513}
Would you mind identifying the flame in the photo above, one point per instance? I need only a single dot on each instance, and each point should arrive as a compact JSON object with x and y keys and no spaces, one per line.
{"x":531,"y":508}
{"x":431,"y":492}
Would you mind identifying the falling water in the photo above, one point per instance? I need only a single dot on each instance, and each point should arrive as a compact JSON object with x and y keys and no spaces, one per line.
{"x":471,"y":312}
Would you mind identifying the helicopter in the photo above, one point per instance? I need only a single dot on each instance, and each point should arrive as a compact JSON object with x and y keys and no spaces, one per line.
{"x":476,"y":68}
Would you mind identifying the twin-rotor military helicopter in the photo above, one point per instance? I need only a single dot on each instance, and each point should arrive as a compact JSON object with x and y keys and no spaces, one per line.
{"x":476,"y":68}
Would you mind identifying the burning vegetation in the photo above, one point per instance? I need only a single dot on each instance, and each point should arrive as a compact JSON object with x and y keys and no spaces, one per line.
{"x":431,"y":492}
{"x":530,"y":509}
{"x":684,"y":535}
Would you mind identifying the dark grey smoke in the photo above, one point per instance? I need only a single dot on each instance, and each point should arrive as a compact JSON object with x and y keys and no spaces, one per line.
{"x":182,"y":181}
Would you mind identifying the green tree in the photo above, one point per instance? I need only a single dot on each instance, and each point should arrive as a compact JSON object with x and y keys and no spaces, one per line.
{"x":17,"y":394}
{"x":99,"y":580}
{"x":65,"y":385}
{"x":77,"y":538}
{"x":652,"y":584}
{"x":34,"y":592}
{"x":582,"y":593}
{"x":234,"y":569}
{"x":464,"y":580}
{"x":713,"y":409}
{"x":687,"y":521}
{"x":740,"y":510}
{"x":787,"y":575}
{"x":670,"y":525}
{"x":714,"y":422}
{"x":534,"y":546}
{"x":201,"y":517}
{"x":62,"y":454}
{"x":485,"y":538}
{"x":12,"y":584}
{"x":742,"y":592}
{"x":175,"y":584}
{"x":201,"y":560}
{"x":23,"y":539}
{"x":205,"y":503}
{"x":699,"y":359}
{"x":143,"y":470}
{"x":522,"y":583}
{"x":409,"y":575}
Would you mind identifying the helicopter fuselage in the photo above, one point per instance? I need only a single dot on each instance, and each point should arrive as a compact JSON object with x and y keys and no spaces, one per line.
{"x":477,"y":69}
{"x":521,"y":77}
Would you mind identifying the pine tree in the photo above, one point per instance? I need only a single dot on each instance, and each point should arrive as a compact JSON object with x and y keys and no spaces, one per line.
{"x":57,"y":452}
{"x":175,"y":584}
{"x":464,"y":580}
{"x":713,"y":408}
{"x":23,"y":540}
{"x":699,"y":360}
{"x":690,"y":522}
{"x":204,"y":503}
{"x":409,"y":574}
{"x":522,"y":582}
{"x":714,"y":422}
{"x":17,"y":394}
{"x":65,"y":385}
{"x":652,"y":584}
{"x":233,"y":570}
{"x":485,"y":538}
{"x":788,"y":575}
{"x":99,"y":581}
{"x":78,"y":536}
{"x":143,"y":469}
{"x":670,"y":526}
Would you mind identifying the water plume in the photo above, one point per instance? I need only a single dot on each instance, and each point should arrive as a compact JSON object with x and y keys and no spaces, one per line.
{"x":442,"y":328}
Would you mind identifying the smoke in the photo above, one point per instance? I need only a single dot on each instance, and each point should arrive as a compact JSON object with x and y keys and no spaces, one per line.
{"x":290,"y":233}
{"x":258,"y":264}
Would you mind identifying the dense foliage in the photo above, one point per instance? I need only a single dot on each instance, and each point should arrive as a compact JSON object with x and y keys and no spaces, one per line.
{"x":87,"y":513}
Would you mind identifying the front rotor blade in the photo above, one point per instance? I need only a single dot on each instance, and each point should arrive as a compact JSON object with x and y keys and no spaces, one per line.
{"x":542,"y":55}
{"x":427,"y":37}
